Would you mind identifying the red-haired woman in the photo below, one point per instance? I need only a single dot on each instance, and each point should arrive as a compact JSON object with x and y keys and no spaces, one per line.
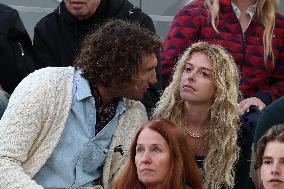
{"x":160,"y":158}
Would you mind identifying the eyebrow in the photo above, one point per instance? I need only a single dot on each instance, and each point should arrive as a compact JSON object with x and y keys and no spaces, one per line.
{"x":149,"y":144}
{"x":157,"y":144}
{"x":201,"y":67}
{"x":269,"y":158}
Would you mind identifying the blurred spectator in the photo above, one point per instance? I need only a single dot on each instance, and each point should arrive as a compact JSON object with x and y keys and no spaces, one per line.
{"x":15,"y":53}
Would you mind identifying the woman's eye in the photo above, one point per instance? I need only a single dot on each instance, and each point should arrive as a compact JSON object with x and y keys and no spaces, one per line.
{"x":156,"y":149}
{"x":187,"y":68}
{"x":139,"y":149}
{"x":204,"y":74}
{"x":267,"y":162}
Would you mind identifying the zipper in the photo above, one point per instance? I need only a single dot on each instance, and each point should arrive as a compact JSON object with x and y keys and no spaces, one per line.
{"x":21,"y":48}
{"x":244,"y":46}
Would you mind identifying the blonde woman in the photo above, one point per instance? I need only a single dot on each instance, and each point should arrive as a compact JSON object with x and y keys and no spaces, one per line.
{"x":251,"y":31}
{"x":202,"y":99}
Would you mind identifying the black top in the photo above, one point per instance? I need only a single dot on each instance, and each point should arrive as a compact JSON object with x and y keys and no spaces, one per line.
{"x":15,"y":49}
{"x":242,"y":167}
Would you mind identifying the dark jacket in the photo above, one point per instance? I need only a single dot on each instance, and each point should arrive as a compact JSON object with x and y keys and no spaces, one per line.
{"x":192,"y":23}
{"x":57,"y":36}
{"x":270,"y":116}
{"x":15,"y":49}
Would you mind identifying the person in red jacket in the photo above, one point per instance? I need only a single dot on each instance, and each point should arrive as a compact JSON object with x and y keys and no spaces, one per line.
{"x":251,"y":30}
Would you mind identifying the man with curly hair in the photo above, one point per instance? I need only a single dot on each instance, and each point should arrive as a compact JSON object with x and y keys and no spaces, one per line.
{"x":58,"y":36}
{"x":72,"y":127}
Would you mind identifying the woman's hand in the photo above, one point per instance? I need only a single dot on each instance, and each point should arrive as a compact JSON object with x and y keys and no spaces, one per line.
{"x":246,"y":103}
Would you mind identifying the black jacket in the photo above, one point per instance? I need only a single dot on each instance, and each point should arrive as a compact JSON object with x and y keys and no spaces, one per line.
{"x":57,"y":36}
{"x":15,"y":49}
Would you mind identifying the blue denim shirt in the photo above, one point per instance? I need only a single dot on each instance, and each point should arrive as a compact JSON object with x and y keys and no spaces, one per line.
{"x":79,"y":157}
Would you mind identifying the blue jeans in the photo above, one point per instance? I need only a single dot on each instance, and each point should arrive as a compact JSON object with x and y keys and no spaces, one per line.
{"x":4,"y":98}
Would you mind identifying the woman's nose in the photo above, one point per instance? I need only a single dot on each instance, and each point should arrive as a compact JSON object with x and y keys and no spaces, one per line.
{"x":146,"y":158}
{"x":191,"y":76}
{"x":275,"y":169}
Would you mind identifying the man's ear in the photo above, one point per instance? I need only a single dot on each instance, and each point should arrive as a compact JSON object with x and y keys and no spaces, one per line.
{"x":116,"y":83}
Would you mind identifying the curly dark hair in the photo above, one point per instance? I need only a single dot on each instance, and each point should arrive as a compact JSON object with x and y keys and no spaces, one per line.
{"x":114,"y":51}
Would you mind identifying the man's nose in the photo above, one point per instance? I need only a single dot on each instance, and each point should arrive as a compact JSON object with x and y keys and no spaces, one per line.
{"x":153,"y":78}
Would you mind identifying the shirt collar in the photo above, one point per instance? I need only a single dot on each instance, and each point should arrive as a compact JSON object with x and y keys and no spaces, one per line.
{"x":82,"y":86}
{"x":121,"y":106}
{"x":83,"y":91}
{"x":251,"y":10}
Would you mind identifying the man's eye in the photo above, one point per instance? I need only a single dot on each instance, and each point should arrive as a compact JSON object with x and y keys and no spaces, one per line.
{"x":150,"y":69}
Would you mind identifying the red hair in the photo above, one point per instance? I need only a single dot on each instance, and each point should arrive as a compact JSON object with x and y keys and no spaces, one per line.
{"x":183,"y":171}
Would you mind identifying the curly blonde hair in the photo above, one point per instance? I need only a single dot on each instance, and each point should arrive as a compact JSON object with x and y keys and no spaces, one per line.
{"x":224,"y":117}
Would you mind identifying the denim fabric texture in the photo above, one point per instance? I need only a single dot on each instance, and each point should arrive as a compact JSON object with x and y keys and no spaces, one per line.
{"x":79,"y":156}
{"x":4,"y":99}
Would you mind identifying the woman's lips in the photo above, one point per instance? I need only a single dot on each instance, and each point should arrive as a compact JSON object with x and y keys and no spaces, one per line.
{"x":146,"y":170}
{"x":275,"y":181}
{"x":189,"y":87}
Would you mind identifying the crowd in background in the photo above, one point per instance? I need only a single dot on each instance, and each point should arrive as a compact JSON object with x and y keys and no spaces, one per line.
{"x":212,"y":91}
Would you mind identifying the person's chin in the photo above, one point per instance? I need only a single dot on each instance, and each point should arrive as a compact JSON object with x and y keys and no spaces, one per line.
{"x":137,"y":97}
{"x":274,"y":185}
{"x":149,"y":182}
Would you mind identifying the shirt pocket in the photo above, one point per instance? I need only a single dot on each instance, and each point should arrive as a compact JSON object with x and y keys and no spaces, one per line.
{"x":95,"y":159}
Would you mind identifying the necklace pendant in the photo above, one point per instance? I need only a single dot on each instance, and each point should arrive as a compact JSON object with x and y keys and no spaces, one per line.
{"x":193,"y":135}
